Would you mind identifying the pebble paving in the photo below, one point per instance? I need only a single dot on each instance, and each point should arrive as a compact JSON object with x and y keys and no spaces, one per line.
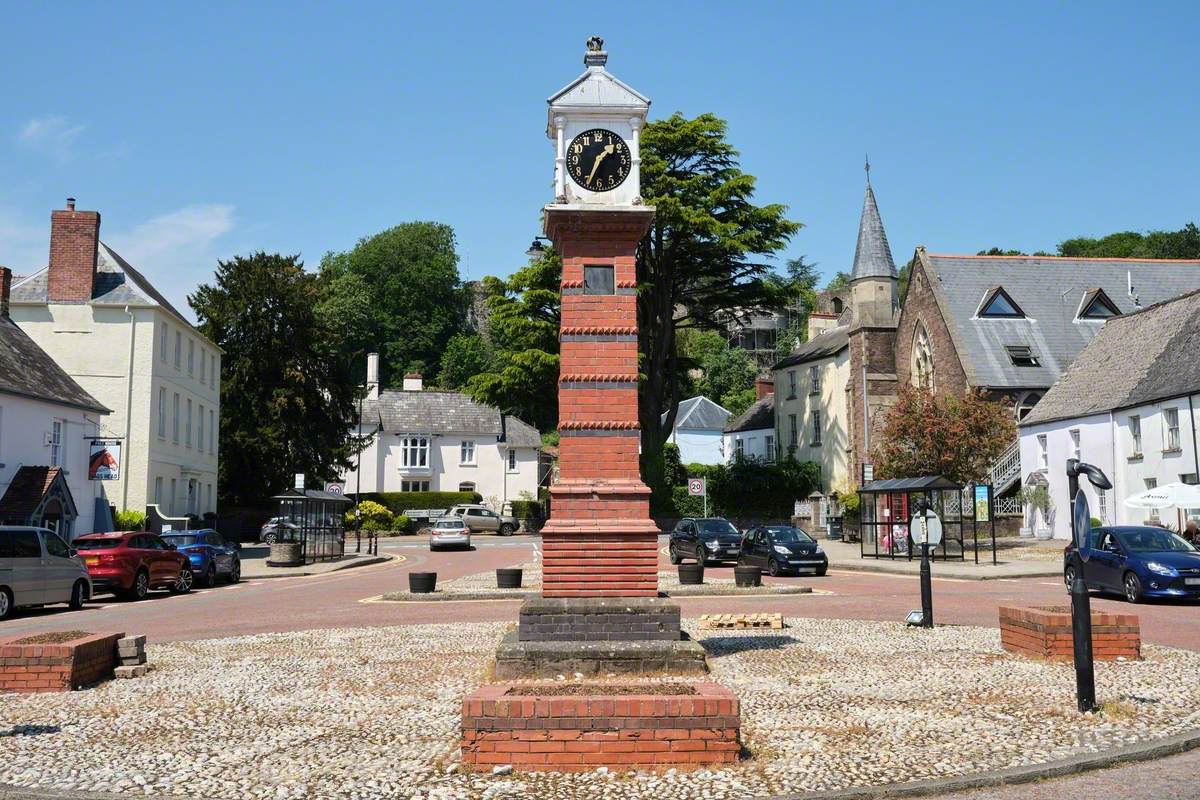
{"x":357,"y":714}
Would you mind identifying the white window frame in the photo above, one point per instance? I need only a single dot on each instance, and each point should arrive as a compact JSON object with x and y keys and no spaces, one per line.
{"x":1170,"y":430}
{"x":174,"y":493}
{"x":816,"y":428}
{"x":203,"y":367}
{"x":212,"y":432}
{"x":191,"y":356}
{"x":466,"y":453}
{"x":513,"y":465}
{"x":414,"y":452}
{"x":1102,"y":505}
{"x":769,"y":448}
{"x":162,"y":342}
{"x":187,"y":431}
{"x":175,"y":419}
{"x":1152,"y":483}
{"x":791,"y":384}
{"x":814,"y":377}
{"x":794,"y":432}
{"x":1076,"y":448}
{"x":414,"y":485}
{"x":200,"y":428}
{"x":1043,"y":453}
{"x":58,"y":443}
{"x":739,"y":448}
{"x":178,"y":348}
{"x":158,"y":487}
{"x":162,"y":412}
{"x":1135,"y":435}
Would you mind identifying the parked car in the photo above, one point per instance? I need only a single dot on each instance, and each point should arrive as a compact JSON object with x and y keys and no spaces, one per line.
{"x":481,"y":518}
{"x":449,"y":532}
{"x":130,"y":564}
{"x":38,"y":568}
{"x":782,"y":549}
{"x":709,"y":540}
{"x":1137,"y":562}
{"x":211,"y":556}
{"x":276,"y":528}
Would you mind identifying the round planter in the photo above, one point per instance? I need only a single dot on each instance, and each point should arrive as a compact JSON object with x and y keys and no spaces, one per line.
{"x":747,"y":576}
{"x":1025,"y":533}
{"x":284,"y":554}
{"x":422,"y":582}
{"x":1045,"y":534}
{"x":691,"y":574}
{"x":508,"y":579}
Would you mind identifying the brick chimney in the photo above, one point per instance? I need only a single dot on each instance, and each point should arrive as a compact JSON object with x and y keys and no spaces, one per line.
{"x":763,"y":387}
{"x":373,"y":376}
{"x":5,"y":290}
{"x":74,"y":236}
{"x":412,"y":382}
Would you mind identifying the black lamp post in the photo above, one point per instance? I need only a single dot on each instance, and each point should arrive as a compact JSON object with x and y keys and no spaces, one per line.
{"x":1081,"y":603}
{"x":926,"y":577}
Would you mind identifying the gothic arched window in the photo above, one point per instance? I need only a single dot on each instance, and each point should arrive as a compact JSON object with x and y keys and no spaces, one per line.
{"x":922,"y":359}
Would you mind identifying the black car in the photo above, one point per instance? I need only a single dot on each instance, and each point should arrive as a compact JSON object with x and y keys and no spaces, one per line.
{"x":782,"y":549}
{"x":708,"y":540}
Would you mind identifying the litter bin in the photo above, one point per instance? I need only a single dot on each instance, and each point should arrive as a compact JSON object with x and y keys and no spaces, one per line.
{"x":835,"y":528}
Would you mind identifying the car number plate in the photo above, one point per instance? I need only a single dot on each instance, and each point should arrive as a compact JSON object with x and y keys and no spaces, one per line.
{"x":1191,"y":581}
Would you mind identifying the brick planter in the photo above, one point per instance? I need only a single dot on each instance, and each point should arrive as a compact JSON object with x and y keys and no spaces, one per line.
{"x":27,"y":667}
{"x":1045,"y":632}
{"x":690,"y":724}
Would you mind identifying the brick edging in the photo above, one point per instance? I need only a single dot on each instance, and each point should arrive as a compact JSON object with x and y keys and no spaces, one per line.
{"x":1146,"y":751}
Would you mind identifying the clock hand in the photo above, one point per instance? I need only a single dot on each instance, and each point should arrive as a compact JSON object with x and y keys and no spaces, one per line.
{"x":596,"y":164}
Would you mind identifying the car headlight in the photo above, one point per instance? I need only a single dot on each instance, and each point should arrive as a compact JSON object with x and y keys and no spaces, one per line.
{"x":818,"y":551}
{"x":1161,"y":569}
{"x":782,"y":550}
{"x":712,"y":544}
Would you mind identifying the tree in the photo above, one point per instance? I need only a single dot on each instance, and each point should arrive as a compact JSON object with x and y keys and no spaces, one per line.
{"x":466,"y":355}
{"x":1183,"y":243}
{"x":701,"y":263}
{"x":798,"y":291}
{"x":417,"y":298}
{"x":728,"y":371}
{"x":288,"y":398}
{"x":955,"y":436}
{"x":525,"y":311}
{"x":840,"y":280}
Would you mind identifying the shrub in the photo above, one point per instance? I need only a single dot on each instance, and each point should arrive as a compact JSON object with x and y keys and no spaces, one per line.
{"x":402,"y":524}
{"x":529,"y":513}
{"x":374,"y":517}
{"x":399,"y":502}
{"x":130,"y":520}
{"x":684,"y":504}
{"x":850,"y":503}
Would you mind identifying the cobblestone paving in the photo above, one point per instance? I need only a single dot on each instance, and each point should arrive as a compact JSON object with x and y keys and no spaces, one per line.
{"x":374,"y":713}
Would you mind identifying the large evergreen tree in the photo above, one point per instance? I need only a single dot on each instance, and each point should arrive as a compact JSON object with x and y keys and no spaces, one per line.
{"x":287,"y":399}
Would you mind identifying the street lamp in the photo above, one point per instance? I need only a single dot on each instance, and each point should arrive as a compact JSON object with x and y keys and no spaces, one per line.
{"x":1081,"y":603}
{"x":537,"y":249}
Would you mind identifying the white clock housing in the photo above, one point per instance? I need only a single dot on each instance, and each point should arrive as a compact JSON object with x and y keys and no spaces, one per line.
{"x":596,"y":99}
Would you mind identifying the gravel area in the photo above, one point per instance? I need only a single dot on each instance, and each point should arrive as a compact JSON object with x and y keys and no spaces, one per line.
{"x":374,"y":713}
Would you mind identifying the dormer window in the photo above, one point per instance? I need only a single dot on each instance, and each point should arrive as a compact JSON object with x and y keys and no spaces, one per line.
{"x":997,"y":303}
{"x":1097,"y":305}
{"x":1022,"y":355}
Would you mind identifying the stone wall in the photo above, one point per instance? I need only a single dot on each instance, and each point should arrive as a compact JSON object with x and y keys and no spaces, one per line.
{"x":32,"y":666}
{"x":921,"y":308}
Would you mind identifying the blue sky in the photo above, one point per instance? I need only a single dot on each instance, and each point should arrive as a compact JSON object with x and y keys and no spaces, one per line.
{"x":204,"y":130}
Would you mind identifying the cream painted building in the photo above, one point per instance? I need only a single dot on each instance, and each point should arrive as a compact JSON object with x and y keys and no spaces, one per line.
{"x":123,"y":342}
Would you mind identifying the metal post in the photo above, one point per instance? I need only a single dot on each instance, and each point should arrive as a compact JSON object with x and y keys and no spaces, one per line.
{"x":926,"y":588}
{"x":1081,"y":618}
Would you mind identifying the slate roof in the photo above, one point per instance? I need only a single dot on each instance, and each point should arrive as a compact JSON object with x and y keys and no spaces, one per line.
{"x":117,"y":283}
{"x":759,"y":416}
{"x":872,"y":254}
{"x":1150,"y":355}
{"x":28,"y":371}
{"x":26,"y":490}
{"x":445,"y":412}
{"x":823,"y":345}
{"x":699,"y":414}
{"x":1049,"y":290}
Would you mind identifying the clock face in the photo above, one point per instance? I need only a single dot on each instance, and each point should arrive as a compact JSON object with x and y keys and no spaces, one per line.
{"x":598,"y":160}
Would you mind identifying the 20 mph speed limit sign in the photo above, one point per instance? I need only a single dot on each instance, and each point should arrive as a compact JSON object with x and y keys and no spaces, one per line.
{"x":696,"y":486}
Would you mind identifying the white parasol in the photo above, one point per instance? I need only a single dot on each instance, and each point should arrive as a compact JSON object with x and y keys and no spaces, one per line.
{"x":1172,"y":495}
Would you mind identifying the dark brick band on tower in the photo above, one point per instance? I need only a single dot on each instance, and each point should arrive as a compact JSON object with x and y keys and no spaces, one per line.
{"x":600,"y":540}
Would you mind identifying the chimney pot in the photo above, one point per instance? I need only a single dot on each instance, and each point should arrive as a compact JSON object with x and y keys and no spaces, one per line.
{"x":5,"y":290}
{"x":70,"y":204}
{"x":763,"y":387}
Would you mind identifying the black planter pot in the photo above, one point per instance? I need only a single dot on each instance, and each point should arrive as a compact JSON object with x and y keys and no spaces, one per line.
{"x":508,"y":579}
{"x":422,"y":582}
{"x":747,"y":576}
{"x":691,"y":574}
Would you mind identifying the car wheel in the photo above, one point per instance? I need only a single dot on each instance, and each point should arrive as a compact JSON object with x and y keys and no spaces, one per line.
{"x":1069,"y":577}
{"x":673,"y":554}
{"x":186,"y":578}
{"x":140,"y":587}
{"x":210,"y":576}
{"x":821,"y":571}
{"x":235,"y":574}
{"x":6,"y":603}
{"x":506,"y":530}
{"x":269,"y":538}
{"x":1133,"y":588}
{"x":78,"y":595}
{"x":773,"y":568}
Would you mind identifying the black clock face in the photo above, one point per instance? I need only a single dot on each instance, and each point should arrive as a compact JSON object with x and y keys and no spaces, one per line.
{"x":598,"y":160}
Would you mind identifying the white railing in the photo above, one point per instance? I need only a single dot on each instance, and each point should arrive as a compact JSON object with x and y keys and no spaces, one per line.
{"x":1008,"y":506}
{"x":1007,"y":468}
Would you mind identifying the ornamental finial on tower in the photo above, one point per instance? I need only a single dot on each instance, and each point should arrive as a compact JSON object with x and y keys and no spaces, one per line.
{"x":596,"y":55}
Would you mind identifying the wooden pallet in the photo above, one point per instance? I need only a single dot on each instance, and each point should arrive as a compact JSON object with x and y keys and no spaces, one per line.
{"x":738,"y":621}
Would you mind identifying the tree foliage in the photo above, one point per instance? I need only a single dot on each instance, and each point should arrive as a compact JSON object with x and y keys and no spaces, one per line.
{"x":1183,"y":243}
{"x":287,"y":394}
{"x":955,"y":436}
{"x":523,"y":321}
{"x":704,"y":258}
{"x":417,"y":301}
{"x":466,"y":355}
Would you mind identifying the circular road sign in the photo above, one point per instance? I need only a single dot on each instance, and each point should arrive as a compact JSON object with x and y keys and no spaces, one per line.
{"x":926,"y":528}
{"x":696,"y":486}
{"x":1083,"y":525}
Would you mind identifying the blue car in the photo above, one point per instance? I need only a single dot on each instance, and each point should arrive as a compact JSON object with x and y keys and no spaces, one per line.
{"x":1138,"y":562}
{"x":212,"y":557}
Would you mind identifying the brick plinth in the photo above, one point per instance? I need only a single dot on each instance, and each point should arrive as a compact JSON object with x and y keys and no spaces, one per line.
{"x":584,"y":731}
{"x":57,"y":667}
{"x":1045,"y":632}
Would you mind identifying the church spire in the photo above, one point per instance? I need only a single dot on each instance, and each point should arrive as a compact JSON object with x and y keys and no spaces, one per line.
{"x":872,"y":255}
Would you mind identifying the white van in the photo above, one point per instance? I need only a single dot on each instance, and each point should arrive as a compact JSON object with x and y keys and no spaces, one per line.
{"x":37,"y":568}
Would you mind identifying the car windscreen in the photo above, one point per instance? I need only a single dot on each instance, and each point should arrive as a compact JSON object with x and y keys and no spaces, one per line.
{"x":457,"y":526}
{"x":789,"y":535}
{"x":183,"y":541}
{"x":716,"y":527}
{"x":1154,"y":541}
{"x":95,"y":544}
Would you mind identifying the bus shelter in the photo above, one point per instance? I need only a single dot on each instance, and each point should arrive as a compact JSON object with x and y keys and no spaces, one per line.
{"x":886,"y":506}
{"x":314,"y":520}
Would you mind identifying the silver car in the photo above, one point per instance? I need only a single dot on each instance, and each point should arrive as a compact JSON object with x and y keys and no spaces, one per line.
{"x":449,"y":532}
{"x":38,"y":568}
{"x":481,"y":518}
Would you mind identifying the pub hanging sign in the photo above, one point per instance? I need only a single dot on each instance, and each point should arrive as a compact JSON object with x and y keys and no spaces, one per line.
{"x":104,"y":461}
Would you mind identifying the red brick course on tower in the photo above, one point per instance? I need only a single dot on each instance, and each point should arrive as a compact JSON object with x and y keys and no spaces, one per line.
{"x":600,"y":540}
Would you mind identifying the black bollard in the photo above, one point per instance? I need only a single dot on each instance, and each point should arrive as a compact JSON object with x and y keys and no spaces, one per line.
{"x":926,"y":588}
{"x":1081,"y":632}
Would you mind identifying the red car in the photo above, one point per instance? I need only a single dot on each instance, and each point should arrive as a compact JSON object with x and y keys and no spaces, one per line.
{"x":131,"y":563}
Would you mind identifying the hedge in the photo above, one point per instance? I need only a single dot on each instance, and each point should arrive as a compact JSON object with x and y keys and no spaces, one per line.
{"x":399,"y":502}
